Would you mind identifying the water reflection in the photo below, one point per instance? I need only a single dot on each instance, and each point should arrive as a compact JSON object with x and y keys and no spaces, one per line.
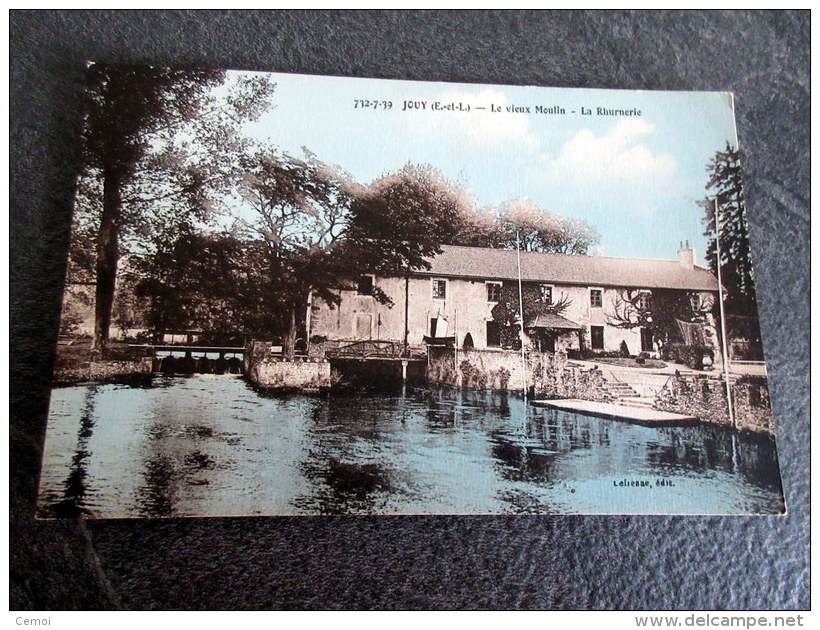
{"x":211,"y":445}
{"x":74,"y":486}
{"x":713,"y":448}
{"x":156,"y":496}
{"x":179,"y":451}
{"x":344,"y":487}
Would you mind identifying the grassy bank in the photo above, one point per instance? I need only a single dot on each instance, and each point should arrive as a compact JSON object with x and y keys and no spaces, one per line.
{"x":76,"y":362}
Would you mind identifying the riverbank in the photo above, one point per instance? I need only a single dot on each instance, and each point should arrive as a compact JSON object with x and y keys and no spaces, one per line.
{"x":549,"y":376}
{"x":76,"y":362}
{"x":671,"y":388}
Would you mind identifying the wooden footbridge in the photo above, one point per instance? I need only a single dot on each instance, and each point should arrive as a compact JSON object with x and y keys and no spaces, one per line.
{"x":378,"y":351}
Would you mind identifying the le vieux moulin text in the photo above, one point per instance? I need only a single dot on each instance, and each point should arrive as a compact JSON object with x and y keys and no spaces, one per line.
{"x":516,"y":109}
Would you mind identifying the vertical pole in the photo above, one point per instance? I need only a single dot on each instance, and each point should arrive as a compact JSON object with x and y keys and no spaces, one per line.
{"x":723,"y":318}
{"x":308,"y":320}
{"x":406,"y":309}
{"x":521,"y":315}
{"x":455,"y":343}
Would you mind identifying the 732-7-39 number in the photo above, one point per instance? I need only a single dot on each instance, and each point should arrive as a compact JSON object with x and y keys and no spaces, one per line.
{"x":363,"y":103}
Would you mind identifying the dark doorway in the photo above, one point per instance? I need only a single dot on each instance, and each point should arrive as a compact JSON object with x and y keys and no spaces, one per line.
{"x":544,"y":339}
{"x":597,"y":334}
{"x":493,"y":335}
{"x":547,"y":341}
{"x":646,"y":340}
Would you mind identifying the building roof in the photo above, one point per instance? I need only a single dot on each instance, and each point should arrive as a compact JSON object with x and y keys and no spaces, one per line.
{"x":502,"y":264}
{"x":550,"y":320}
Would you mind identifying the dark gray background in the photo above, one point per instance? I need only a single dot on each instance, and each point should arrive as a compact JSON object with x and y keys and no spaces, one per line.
{"x":418,"y":562}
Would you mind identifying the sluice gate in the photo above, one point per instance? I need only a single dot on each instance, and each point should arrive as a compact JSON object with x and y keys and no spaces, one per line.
{"x":171,"y":359}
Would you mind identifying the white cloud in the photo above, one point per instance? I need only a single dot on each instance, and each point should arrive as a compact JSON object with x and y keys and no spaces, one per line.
{"x":483,"y":128}
{"x":617,"y":156}
{"x":617,"y":169}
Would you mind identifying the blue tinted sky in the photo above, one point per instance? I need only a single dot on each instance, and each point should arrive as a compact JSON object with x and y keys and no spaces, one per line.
{"x":636,"y":179}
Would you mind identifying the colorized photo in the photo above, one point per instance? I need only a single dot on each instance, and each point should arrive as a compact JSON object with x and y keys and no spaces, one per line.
{"x":302,"y":295}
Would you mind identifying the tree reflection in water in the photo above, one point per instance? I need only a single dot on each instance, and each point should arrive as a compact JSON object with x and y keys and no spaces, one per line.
{"x":344,"y":432}
{"x":156,"y":496}
{"x":345,"y":487}
{"x":74,"y":486}
{"x":213,"y":446}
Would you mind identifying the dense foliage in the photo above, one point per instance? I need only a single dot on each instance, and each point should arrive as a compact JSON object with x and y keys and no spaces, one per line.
{"x":155,"y":141}
{"x":726,"y":194}
{"x":164,"y":151}
{"x":521,"y":223}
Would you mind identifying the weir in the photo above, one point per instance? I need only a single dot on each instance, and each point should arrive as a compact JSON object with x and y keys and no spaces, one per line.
{"x":174,"y":359}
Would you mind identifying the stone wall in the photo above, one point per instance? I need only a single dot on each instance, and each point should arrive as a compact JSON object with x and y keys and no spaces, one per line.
{"x":273,"y":372}
{"x":297,"y":374}
{"x":705,"y":397}
{"x":255,"y":353}
{"x":104,"y":371}
{"x":548,"y":375}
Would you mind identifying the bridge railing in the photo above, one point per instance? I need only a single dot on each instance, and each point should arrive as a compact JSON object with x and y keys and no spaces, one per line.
{"x":368,"y":349}
{"x":375,"y":349}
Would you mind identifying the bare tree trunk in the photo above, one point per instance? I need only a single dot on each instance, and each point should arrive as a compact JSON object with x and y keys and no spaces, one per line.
{"x":308,"y":320}
{"x":289,"y":342}
{"x":108,"y":254}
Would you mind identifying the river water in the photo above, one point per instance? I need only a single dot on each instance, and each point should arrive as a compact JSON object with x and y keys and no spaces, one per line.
{"x":212,"y":446}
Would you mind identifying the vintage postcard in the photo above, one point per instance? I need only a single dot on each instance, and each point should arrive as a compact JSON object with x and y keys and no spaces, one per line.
{"x":303,"y":295}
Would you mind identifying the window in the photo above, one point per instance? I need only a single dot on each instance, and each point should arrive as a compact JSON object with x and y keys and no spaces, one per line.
{"x":597,"y":333}
{"x":439,"y":289}
{"x":365,"y":285}
{"x":493,"y":335}
{"x":493,"y":291}
{"x":596,"y":298}
{"x":546,"y":294}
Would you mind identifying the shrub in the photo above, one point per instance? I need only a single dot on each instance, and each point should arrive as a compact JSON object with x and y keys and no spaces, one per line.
{"x":588,"y":353}
{"x":624,"y":351}
{"x":753,"y":379}
{"x":690,"y":356}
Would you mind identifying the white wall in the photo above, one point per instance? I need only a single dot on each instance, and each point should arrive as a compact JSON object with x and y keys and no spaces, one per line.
{"x":465,"y":307}
{"x":581,"y":312}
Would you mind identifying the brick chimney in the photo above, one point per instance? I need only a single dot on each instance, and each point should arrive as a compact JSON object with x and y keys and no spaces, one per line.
{"x":687,"y":255}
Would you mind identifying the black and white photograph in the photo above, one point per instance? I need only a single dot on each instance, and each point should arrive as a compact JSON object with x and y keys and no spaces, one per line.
{"x":302,"y":295}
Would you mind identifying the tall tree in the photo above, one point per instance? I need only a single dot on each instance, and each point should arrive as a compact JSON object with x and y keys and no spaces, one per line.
{"x":537,"y":230}
{"x":201,"y":281}
{"x":298,"y":214}
{"x":401,"y":220}
{"x":660,"y":311}
{"x":144,"y":168}
{"x":725,"y":187}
